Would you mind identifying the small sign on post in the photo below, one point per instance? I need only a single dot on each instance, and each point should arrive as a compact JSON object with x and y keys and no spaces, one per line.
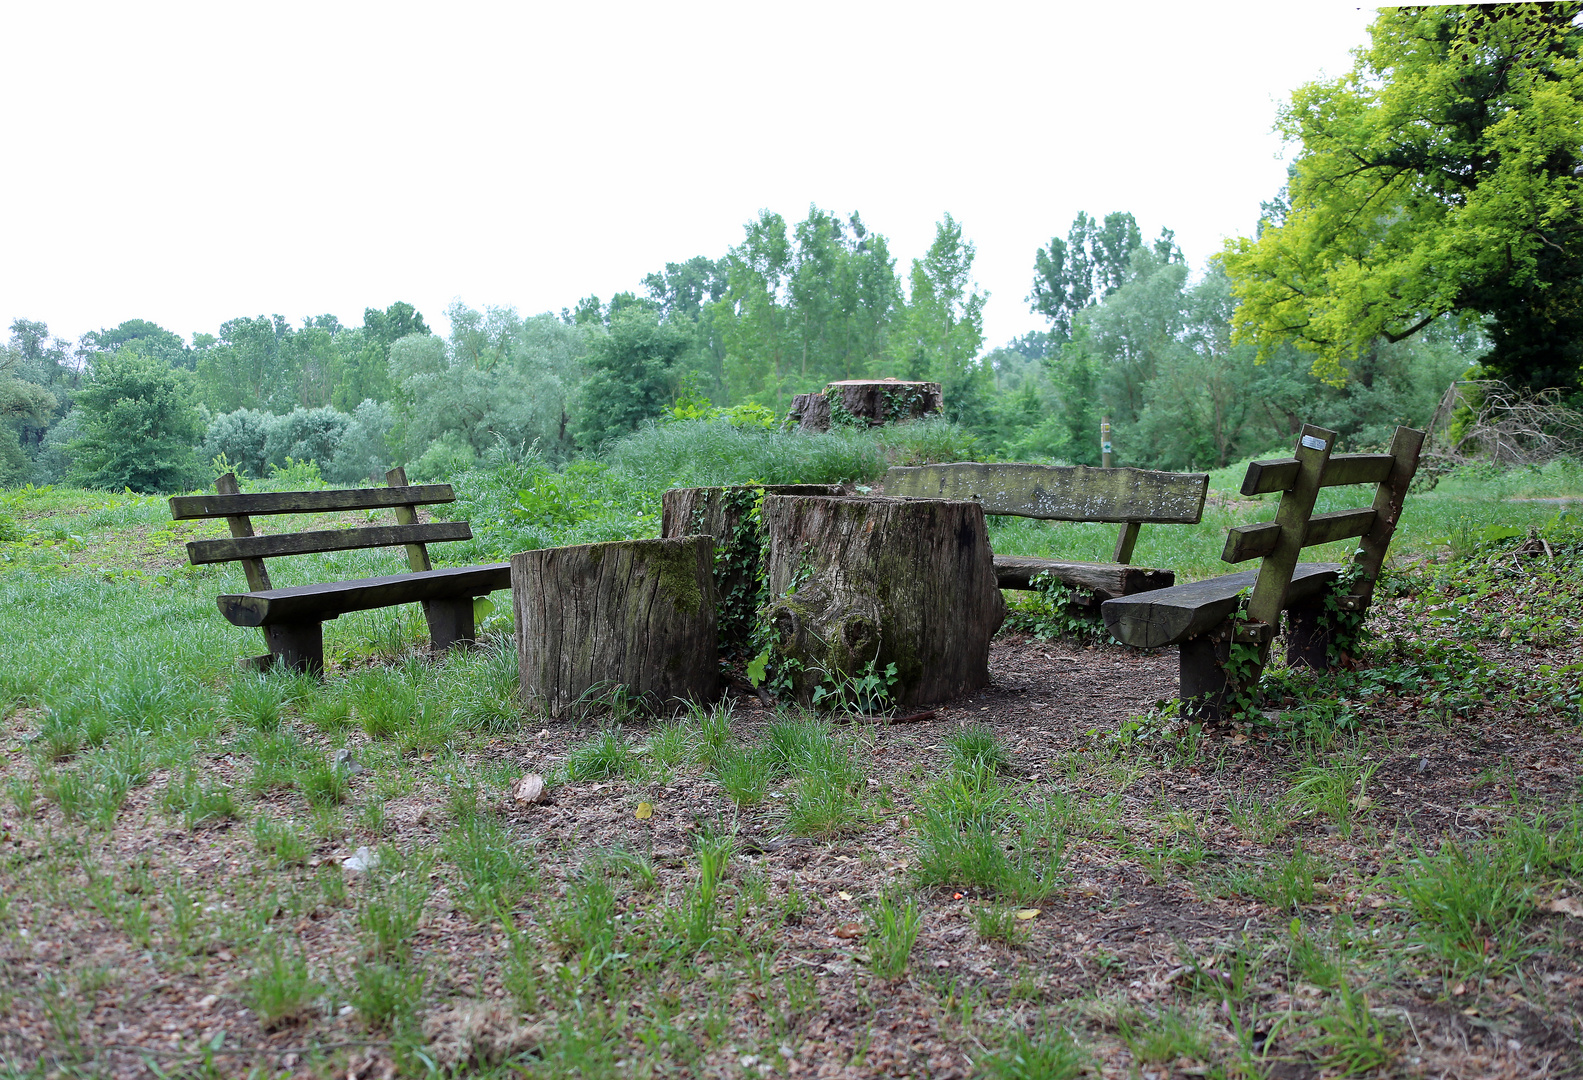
{"x":1104,"y":441}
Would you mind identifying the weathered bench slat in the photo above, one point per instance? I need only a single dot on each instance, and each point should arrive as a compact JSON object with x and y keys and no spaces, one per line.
{"x":1153,"y":620}
{"x":305,"y":603}
{"x":186,"y":507}
{"x":1244,"y":542}
{"x":1279,"y":474}
{"x":311,"y":543}
{"x":1060,"y":492}
{"x":1103,"y":579}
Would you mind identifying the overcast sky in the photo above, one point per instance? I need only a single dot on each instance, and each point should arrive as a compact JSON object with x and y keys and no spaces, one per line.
{"x":189,"y":164}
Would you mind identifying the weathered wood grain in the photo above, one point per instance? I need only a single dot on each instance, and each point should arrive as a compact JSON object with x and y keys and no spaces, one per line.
{"x":187,"y":507}
{"x":1406,"y":445}
{"x":1244,"y":542}
{"x":1265,"y":477}
{"x":309,"y":543}
{"x":302,"y":603}
{"x":1104,"y":580}
{"x":1153,"y":620}
{"x":1314,"y":447}
{"x":254,"y":569}
{"x":1059,"y":492}
{"x":635,"y":613}
{"x":869,"y":580}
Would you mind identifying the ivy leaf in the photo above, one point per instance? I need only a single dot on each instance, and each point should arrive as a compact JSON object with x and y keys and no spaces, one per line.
{"x":757,"y":668}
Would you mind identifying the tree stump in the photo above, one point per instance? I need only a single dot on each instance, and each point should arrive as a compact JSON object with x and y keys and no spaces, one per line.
{"x":862,"y":583}
{"x":729,"y":515}
{"x":863,"y":403}
{"x":634,"y":613}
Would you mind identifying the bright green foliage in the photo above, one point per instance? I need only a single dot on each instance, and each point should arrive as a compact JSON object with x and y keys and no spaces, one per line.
{"x":139,"y":426}
{"x":636,"y":373}
{"x":940,"y":330}
{"x":1437,"y":177}
{"x":803,"y":309}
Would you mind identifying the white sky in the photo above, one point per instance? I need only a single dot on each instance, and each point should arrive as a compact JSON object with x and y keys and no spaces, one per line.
{"x":189,"y":164}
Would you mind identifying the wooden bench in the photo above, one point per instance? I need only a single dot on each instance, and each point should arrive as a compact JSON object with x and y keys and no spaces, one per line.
{"x":293,"y":618}
{"x":1198,"y":616}
{"x":1128,"y":497}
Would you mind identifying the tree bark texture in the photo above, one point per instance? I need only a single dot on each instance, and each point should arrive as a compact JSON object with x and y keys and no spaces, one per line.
{"x":860,"y":581}
{"x":728,"y":515}
{"x":635,"y":613}
{"x":863,"y":403}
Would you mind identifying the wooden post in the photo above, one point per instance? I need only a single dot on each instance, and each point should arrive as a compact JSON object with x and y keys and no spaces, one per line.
{"x":1104,"y":444}
{"x":1126,"y":542}
{"x":1307,"y":635}
{"x":862,"y":583}
{"x":1314,"y":447}
{"x":257,"y":581}
{"x":633,"y":613}
{"x":450,"y":622}
{"x":1388,"y":498}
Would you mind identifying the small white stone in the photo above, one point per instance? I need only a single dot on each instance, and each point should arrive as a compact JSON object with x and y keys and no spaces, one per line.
{"x":361,"y":861}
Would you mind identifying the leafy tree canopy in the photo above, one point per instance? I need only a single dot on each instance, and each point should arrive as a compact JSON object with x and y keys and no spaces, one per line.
{"x":1440,"y":176}
{"x":139,"y":426}
{"x":1091,"y":263}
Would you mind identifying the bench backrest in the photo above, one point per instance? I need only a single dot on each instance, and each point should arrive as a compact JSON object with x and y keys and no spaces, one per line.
{"x":251,"y":550}
{"x":1129,"y":497}
{"x":1296,"y":526}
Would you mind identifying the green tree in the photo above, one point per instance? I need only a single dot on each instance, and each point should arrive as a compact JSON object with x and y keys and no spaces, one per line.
{"x":144,"y":337}
{"x":1442,"y":175}
{"x":139,"y":426}
{"x":940,"y":330}
{"x":636,"y":371}
{"x":1091,"y":263}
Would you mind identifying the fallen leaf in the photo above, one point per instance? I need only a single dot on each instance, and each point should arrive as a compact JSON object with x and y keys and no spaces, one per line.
{"x":844,"y":895}
{"x":849,"y":930}
{"x":1028,"y":913}
{"x":528,"y":788}
{"x":1564,"y":905}
{"x":644,"y":811}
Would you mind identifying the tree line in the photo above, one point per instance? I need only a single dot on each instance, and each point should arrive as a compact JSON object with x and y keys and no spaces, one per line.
{"x":1428,"y":229}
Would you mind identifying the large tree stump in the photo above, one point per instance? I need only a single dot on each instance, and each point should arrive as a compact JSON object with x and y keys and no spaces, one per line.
{"x":863,"y":403}
{"x":876,"y":581}
{"x":635,"y":613}
{"x":727,"y":514}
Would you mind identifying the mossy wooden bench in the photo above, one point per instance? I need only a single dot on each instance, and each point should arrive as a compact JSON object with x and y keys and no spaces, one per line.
{"x":1202,"y":617}
{"x":1128,"y":497}
{"x":293,"y":618}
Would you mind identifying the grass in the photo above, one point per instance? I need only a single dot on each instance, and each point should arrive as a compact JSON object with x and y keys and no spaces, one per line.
{"x":495,"y":871}
{"x":892,"y":933}
{"x":606,"y":756}
{"x":186,"y":818}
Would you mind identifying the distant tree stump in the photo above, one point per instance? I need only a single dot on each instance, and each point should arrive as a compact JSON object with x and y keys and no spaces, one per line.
{"x":861,"y":581}
{"x":863,"y":403}
{"x":635,"y":613}
{"x":726,"y":514}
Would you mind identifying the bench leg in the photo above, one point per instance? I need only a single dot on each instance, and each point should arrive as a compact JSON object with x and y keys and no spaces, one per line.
{"x":1307,"y":637}
{"x":298,"y":646}
{"x":450,"y":622}
{"x":1203,"y":676}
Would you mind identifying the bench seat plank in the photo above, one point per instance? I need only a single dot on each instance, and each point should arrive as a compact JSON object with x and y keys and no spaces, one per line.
{"x":311,"y":603}
{"x":310,"y":543}
{"x":187,"y":507}
{"x":1059,"y":492}
{"x":1153,"y":620}
{"x":1104,"y":580}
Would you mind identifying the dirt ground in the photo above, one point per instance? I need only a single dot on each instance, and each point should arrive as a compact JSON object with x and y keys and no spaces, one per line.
{"x":1117,"y":932}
